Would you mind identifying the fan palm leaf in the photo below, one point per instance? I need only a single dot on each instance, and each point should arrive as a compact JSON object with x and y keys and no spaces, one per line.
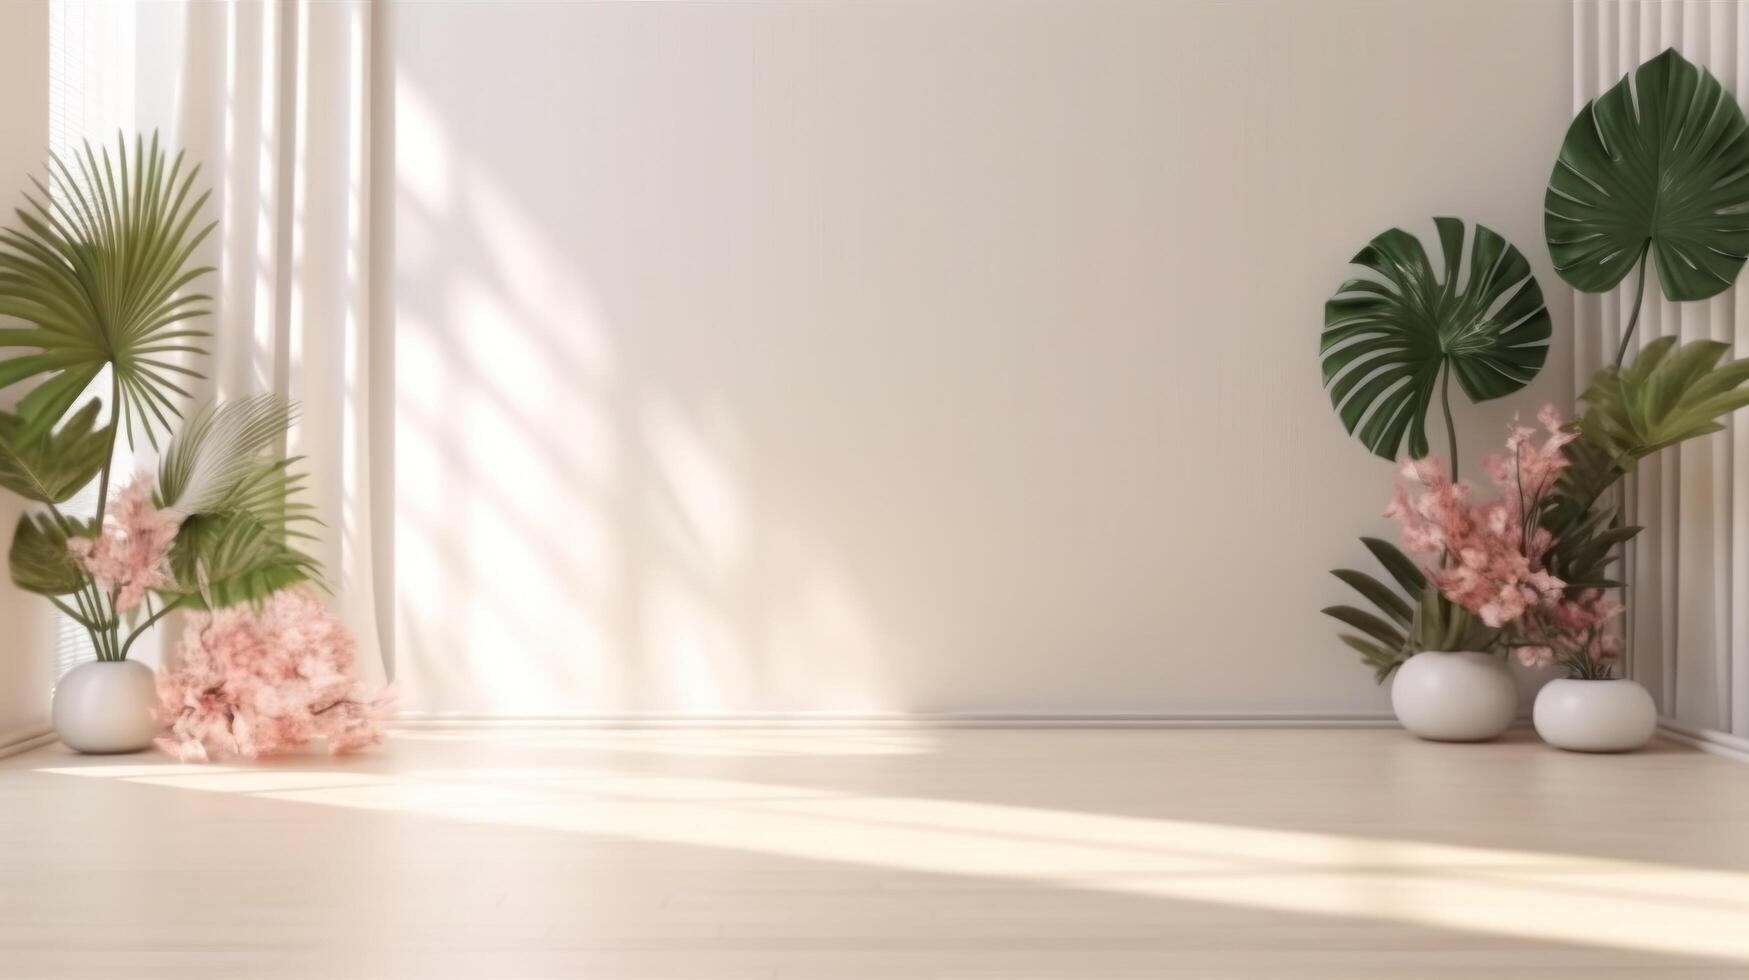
{"x":97,"y":271}
{"x":240,"y":503}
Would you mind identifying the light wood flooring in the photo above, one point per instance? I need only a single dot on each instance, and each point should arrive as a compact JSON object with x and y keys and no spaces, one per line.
{"x":1310,"y":855}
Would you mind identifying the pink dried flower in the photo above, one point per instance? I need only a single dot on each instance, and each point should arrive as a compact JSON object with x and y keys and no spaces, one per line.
{"x":127,"y":557}
{"x":1536,"y":656}
{"x":250,"y":683}
{"x":1491,"y":555}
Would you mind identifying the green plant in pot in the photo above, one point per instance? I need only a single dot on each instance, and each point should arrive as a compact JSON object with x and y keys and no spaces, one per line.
{"x":1654,"y":173}
{"x":95,"y":303}
{"x":1394,"y":338}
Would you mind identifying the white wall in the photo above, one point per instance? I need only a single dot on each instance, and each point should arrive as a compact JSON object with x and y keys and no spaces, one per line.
{"x":27,"y":644}
{"x":915,"y":357}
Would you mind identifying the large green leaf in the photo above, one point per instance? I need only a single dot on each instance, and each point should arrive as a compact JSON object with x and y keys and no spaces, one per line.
{"x":40,"y":560}
{"x":240,"y":503}
{"x":222,"y":559}
{"x":50,"y":466}
{"x":1390,"y":341}
{"x":1660,"y":166}
{"x":97,"y":270}
{"x":1669,"y":394}
{"x":218,"y":447}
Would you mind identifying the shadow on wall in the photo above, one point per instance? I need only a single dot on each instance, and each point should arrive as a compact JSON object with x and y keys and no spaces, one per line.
{"x":736,"y":372}
{"x":571,"y":541}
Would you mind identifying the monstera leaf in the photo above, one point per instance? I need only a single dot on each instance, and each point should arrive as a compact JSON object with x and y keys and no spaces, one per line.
{"x":40,"y":561}
{"x":1660,"y":168}
{"x":51,"y":466}
{"x":97,"y":270}
{"x":1389,"y":342}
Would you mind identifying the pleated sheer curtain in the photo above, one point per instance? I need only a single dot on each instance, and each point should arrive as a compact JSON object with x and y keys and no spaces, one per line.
{"x":1688,"y":610}
{"x":274,"y":100}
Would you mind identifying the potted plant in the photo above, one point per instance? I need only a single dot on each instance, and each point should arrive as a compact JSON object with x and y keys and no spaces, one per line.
{"x":94,"y":296}
{"x":1655,"y":172}
{"x":1393,"y":340}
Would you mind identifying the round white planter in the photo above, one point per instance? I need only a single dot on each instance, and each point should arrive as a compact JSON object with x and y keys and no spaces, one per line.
{"x":1454,"y":697}
{"x":107,"y":706}
{"x":1595,"y":716}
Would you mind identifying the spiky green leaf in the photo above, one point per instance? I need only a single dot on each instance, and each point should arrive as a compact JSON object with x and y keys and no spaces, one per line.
{"x":1668,"y":395}
{"x":1408,"y":577}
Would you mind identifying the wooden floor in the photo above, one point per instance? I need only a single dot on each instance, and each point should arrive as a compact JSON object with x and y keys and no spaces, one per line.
{"x":722,"y":854}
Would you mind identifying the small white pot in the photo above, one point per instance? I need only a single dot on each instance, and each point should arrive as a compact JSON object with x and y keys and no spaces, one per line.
{"x":1454,"y":697}
{"x":1595,"y":716}
{"x":107,"y":706}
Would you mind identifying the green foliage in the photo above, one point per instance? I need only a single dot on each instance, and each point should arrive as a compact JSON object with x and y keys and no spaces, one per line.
{"x":48,"y":466}
{"x":1669,"y":394}
{"x":218,"y":447}
{"x":97,"y":273}
{"x":229,"y":557}
{"x":1408,"y":619}
{"x":1661,"y":169}
{"x":240,"y":501}
{"x":40,"y":560}
{"x":1389,"y":342}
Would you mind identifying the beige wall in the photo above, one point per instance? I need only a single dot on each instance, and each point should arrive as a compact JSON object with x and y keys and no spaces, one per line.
{"x":915,"y":357}
{"x":27,"y":649}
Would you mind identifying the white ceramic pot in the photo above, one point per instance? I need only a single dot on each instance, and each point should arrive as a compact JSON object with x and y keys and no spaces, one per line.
{"x":1595,"y":716}
{"x":1454,"y":697}
{"x":107,"y":706}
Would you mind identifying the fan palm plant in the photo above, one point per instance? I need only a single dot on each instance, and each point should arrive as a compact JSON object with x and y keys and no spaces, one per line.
{"x":95,"y":293}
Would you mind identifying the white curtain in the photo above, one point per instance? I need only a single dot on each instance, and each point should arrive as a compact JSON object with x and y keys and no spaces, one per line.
{"x":273,"y":99}
{"x":1688,"y":609}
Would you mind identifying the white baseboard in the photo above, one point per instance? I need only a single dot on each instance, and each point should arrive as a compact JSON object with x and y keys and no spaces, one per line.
{"x":808,"y":721}
{"x":1706,"y":739}
{"x":24,"y":741}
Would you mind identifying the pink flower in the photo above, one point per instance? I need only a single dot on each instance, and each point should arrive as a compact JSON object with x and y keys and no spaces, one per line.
{"x":1491,"y":554}
{"x":127,"y":557}
{"x":250,"y":683}
{"x":1536,"y":656}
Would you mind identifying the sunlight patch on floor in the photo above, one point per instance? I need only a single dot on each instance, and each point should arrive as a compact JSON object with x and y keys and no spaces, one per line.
{"x":712,"y":743}
{"x":1553,"y":897}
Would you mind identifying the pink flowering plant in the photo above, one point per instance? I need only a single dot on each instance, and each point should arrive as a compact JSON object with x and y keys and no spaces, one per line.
{"x":257,"y":681}
{"x":1496,"y":558}
{"x":1526,"y":570}
{"x":94,"y":295}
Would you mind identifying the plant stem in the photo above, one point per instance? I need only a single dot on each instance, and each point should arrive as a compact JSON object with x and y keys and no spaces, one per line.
{"x":141,"y":629}
{"x":114,"y":429}
{"x":95,"y":626}
{"x":1621,"y":352}
{"x":70,"y":612}
{"x":1450,"y":430}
